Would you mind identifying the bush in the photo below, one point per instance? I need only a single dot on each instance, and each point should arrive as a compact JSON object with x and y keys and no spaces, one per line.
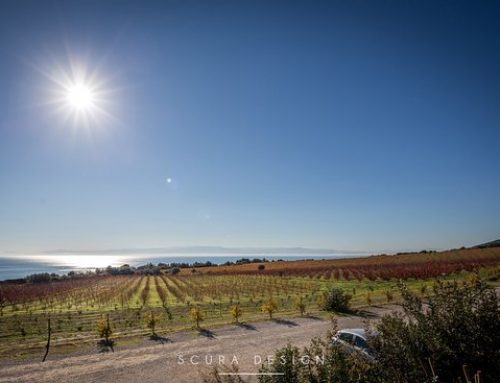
{"x":458,"y":327}
{"x":336,"y":300}
{"x":283,"y":364}
{"x":321,"y":361}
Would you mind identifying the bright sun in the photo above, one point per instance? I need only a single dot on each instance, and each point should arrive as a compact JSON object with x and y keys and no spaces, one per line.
{"x":80,"y":97}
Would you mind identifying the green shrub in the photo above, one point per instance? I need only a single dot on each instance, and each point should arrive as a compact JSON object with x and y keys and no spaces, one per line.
{"x":458,"y":326}
{"x":336,"y":300}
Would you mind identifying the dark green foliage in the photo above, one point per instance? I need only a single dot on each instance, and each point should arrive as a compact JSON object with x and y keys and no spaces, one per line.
{"x":490,"y":244}
{"x":336,"y":300}
{"x":458,"y":326}
{"x":284,"y":363}
{"x":175,"y":270}
{"x":41,"y":277}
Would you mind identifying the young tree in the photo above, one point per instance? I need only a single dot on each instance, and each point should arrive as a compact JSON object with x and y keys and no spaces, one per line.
{"x":301,"y":305}
{"x":145,"y":293}
{"x":389,"y":296}
{"x":47,"y":346}
{"x":369,"y":298}
{"x":151,"y":319}
{"x":236,"y":313}
{"x":104,"y":330}
{"x":269,"y":307}
{"x":196,"y":316}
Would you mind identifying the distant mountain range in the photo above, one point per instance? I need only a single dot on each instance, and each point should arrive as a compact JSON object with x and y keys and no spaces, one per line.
{"x":208,"y":250}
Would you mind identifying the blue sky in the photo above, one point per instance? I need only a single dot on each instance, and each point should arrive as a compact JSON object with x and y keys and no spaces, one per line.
{"x":349,"y":125}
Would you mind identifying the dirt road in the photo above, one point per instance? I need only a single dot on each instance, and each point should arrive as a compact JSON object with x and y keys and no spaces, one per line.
{"x":181,"y":358}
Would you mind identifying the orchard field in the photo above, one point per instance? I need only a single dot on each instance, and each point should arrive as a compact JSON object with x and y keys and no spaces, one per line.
{"x":76,"y":305}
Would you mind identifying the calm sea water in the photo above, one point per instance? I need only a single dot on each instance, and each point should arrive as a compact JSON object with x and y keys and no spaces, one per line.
{"x":18,"y":266}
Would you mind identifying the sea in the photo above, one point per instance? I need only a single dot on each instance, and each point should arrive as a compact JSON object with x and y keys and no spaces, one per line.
{"x":20,"y":265}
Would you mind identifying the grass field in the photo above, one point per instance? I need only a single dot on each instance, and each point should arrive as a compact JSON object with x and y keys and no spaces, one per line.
{"x":76,"y":305}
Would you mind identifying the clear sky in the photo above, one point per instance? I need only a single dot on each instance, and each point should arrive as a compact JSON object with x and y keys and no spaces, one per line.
{"x":350,"y":125}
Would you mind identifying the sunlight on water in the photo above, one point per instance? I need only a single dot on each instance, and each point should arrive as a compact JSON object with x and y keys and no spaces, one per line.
{"x":72,"y":261}
{"x":86,"y":261}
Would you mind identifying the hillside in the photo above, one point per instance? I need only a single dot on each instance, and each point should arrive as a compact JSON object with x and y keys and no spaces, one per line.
{"x":489,"y":244}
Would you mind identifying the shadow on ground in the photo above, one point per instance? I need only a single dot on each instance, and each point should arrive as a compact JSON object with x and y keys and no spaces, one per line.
{"x":365,"y":314}
{"x":106,"y":345}
{"x":247,"y":326}
{"x":285,"y":322}
{"x":206,"y":333}
{"x":160,"y":339}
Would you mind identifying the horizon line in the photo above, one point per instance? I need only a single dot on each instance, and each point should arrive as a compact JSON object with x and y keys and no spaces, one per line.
{"x":211,"y":249}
